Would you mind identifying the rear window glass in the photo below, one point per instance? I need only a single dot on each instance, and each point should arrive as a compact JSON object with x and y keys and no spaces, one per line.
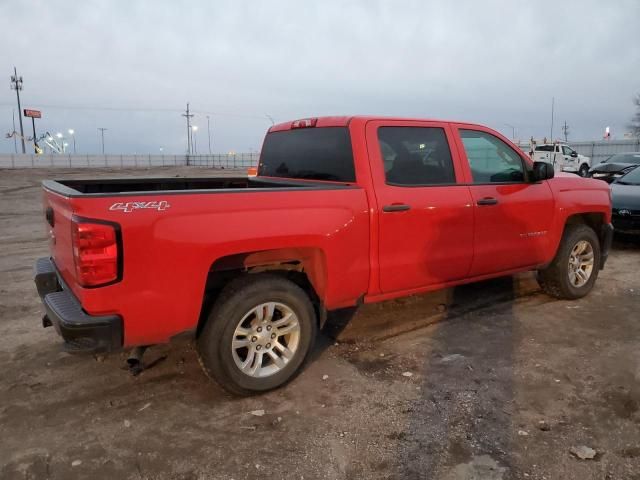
{"x":309,"y":153}
{"x":544,"y":148}
{"x":624,"y":158}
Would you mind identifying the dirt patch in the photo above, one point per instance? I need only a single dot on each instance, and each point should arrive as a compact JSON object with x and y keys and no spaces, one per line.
{"x":449,"y":385}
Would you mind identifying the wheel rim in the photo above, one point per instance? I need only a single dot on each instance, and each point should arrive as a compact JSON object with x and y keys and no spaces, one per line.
{"x":266,"y":339}
{"x":580,"y":263}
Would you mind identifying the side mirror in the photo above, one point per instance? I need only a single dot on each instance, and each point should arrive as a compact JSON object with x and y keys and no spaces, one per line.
{"x":542,"y":171}
{"x":574,"y":154}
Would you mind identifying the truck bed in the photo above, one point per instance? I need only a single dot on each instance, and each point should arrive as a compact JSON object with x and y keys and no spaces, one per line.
{"x":121,"y":186}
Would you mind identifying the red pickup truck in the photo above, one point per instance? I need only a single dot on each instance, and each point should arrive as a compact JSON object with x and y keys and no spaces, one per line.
{"x":343,"y":211}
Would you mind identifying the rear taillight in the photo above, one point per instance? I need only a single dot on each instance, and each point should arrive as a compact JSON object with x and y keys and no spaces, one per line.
{"x":252,"y":171}
{"x":95,"y":252}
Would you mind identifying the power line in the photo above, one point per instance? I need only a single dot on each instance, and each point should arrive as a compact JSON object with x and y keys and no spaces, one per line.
{"x":16,"y":84}
{"x":142,"y":110}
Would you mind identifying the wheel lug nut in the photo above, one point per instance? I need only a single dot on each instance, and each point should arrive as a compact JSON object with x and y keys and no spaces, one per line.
{"x":259,"y":329}
{"x":258,"y":347}
{"x":268,"y":327}
{"x":254,"y":339}
{"x":268,"y":345}
{"x":273,"y":335}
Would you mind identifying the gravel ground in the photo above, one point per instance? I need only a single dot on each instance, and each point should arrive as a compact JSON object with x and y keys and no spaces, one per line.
{"x":487,"y":381}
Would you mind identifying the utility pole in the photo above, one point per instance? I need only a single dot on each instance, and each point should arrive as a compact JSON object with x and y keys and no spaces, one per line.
{"x":565,"y":131}
{"x":553,"y":100}
{"x":16,"y":84}
{"x":188,"y":116}
{"x":15,"y":140}
{"x":209,"y":133}
{"x":102,"y":135}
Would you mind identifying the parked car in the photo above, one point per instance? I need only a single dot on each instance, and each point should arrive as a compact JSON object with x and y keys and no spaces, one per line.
{"x":343,"y":211}
{"x":625,"y":192}
{"x":562,"y":156}
{"x":615,"y":166}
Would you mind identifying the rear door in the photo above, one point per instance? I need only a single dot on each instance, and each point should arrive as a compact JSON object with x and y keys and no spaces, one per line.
{"x":425,"y":212}
{"x":513,"y":217}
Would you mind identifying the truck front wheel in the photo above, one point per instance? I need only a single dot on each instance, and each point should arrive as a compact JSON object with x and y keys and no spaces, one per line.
{"x":584,"y":170}
{"x":258,"y":334}
{"x":574,"y":270}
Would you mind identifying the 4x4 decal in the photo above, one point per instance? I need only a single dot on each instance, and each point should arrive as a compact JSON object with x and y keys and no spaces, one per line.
{"x":131,"y":206}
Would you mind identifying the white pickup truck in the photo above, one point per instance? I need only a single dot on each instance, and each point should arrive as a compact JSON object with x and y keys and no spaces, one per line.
{"x":561,"y":156}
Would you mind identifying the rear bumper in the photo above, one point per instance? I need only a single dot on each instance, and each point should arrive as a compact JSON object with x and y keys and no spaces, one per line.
{"x":606,"y":238}
{"x":82,"y":333}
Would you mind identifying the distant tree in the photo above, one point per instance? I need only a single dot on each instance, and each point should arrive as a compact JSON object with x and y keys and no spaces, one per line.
{"x":634,"y":126}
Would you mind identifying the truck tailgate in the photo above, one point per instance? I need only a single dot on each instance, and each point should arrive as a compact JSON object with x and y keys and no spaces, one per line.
{"x":58,"y":211}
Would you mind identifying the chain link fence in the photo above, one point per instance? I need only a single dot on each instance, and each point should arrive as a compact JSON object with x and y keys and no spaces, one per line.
{"x":238,"y":160}
{"x":599,"y":150}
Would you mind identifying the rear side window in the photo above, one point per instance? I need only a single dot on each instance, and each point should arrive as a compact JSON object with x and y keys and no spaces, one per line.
{"x":415,"y":156}
{"x":309,"y":153}
{"x":491,"y":160}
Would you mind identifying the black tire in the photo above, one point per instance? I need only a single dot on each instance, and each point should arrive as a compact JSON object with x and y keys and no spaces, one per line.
{"x":554,"y":279}
{"x":584,"y":170}
{"x":235,"y":301}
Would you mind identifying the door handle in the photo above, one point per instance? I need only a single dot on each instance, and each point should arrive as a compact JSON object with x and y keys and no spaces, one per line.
{"x":487,"y":201}
{"x":396,"y":207}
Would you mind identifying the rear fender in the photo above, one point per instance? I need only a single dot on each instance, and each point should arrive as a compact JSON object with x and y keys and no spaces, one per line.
{"x":304,"y":266}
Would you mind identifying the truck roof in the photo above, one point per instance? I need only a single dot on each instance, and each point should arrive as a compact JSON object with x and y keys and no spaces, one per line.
{"x":344,"y":120}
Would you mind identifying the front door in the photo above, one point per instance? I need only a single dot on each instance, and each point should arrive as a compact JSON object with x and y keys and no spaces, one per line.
{"x":513,"y":216}
{"x":425,"y":215}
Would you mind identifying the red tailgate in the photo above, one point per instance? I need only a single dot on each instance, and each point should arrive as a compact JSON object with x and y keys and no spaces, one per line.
{"x":58,"y":211}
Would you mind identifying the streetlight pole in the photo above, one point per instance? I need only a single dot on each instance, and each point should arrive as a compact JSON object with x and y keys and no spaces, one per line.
{"x":553,"y":101}
{"x":209,"y":133}
{"x":194,"y":129}
{"x":72,"y":133}
{"x":513,"y":131}
{"x":16,"y":84}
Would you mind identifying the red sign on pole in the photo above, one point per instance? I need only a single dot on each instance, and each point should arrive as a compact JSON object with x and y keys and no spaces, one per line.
{"x":32,"y":113}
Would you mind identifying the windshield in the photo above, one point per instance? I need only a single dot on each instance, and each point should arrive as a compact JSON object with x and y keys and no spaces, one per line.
{"x":310,"y":153}
{"x":631,"y":178}
{"x":624,"y":158}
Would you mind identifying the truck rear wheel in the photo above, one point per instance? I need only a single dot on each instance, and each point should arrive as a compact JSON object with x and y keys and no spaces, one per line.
{"x":258,"y":334}
{"x":574,"y":270}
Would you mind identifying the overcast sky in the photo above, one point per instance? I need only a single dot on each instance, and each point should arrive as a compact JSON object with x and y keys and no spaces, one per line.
{"x":131,"y":66}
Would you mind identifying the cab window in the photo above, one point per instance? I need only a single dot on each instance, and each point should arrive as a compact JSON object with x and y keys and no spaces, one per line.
{"x":416,"y":156}
{"x":544,"y":148}
{"x":491,"y":160}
